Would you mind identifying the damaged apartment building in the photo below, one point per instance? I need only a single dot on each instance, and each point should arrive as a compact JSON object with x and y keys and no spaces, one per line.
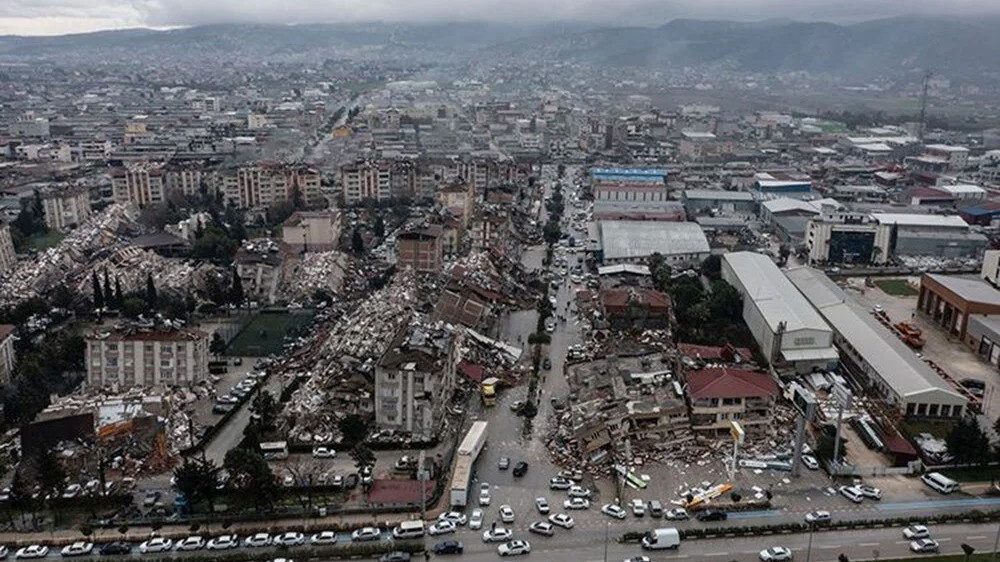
{"x":625,"y":401}
{"x":415,"y":377}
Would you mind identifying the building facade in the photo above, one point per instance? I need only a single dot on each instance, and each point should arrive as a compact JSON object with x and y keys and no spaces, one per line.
{"x":8,"y":357}
{"x":146,"y":358}
{"x":141,"y":184}
{"x":313,"y":231}
{"x":422,"y":249}
{"x":719,"y":396}
{"x":8,"y":259}
{"x":66,"y":209}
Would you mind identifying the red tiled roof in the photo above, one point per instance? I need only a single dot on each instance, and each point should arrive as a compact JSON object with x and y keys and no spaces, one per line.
{"x":725,"y":382}
{"x":619,"y":298}
{"x":389,"y":492}
{"x":695,"y":351}
{"x":899,"y":445}
{"x":6,"y":330}
{"x":473,"y":372}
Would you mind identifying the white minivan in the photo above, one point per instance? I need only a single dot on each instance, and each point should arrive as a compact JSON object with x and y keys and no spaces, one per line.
{"x":658,"y":539}
{"x":408,"y":530}
{"x":940,"y":482}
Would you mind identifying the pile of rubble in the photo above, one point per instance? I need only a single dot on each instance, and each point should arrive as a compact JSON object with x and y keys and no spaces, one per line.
{"x":130,"y":265}
{"x":67,"y":259}
{"x":316,"y":270}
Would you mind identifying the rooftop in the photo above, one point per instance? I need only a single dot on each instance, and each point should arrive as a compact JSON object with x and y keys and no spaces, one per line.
{"x":719,"y":194}
{"x":640,"y":239}
{"x":909,"y":219}
{"x":972,"y":290}
{"x":726,"y":382}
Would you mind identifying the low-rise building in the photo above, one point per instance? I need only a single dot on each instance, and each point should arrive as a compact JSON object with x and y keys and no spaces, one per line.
{"x":949,"y":300}
{"x":845,"y":237}
{"x":259,"y":263}
{"x":680,"y":243}
{"x":146,"y":357}
{"x":415,"y":378}
{"x":634,"y":308}
{"x":718,"y":396}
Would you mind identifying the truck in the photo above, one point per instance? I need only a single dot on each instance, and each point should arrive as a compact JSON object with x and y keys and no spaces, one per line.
{"x":488,"y":391}
{"x":659,"y":539}
{"x":468,"y":450}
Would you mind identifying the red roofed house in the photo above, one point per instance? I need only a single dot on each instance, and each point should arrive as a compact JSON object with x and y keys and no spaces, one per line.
{"x":719,"y":395}
{"x":7,"y":357}
{"x":630,"y":307}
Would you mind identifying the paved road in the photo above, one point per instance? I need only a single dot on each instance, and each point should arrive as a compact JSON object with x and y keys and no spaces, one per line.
{"x":232,"y":432}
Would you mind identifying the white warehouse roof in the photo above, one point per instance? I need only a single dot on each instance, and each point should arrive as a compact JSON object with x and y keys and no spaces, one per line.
{"x":907,"y":219}
{"x":897,"y":365}
{"x":640,"y":239}
{"x":773,"y":293}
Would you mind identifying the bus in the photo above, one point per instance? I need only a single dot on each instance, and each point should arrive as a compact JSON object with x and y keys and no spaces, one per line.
{"x":274,"y":450}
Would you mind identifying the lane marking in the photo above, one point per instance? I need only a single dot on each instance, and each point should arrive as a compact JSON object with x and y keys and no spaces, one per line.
{"x":716,"y":554}
{"x":869,"y":544}
{"x":976,"y":538}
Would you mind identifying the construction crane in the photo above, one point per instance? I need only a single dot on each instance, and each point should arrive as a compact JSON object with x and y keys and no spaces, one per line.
{"x":923,"y":106}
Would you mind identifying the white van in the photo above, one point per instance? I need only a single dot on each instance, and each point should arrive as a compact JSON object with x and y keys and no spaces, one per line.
{"x":408,"y":530}
{"x":940,"y":482}
{"x":658,"y":539}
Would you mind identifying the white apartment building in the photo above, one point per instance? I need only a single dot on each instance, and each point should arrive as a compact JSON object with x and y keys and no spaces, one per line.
{"x":141,"y":184}
{"x":8,"y":358}
{"x":266,"y":184}
{"x":137,"y":357}
{"x":365,"y":180}
{"x":65,"y":209}
{"x":8,"y":259}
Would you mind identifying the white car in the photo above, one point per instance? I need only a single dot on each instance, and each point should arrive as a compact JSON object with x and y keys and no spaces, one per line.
{"x":563,"y":520}
{"x":775,"y":554}
{"x":3,"y":552}
{"x":638,"y":507}
{"x":442,"y":527}
{"x":191,"y":543}
{"x":916,"y":532}
{"x":870,"y":492}
{"x":818,"y":517}
{"x":924,"y":545}
{"x":613,"y":510}
{"x":156,"y":544}
{"x":542,"y":505}
{"x":324,"y":537}
{"x":514,"y":548}
{"x":637,"y":559}
{"x":476,"y":520}
{"x":810,"y":462}
{"x":676,"y":514}
{"x":560,"y":483}
{"x":852,"y":493}
{"x":223,"y":542}
{"x":366,"y":534}
{"x":79,"y":548}
{"x":72,"y":491}
{"x":455,"y":517}
{"x":506,"y":514}
{"x":33,"y":551}
{"x":576,"y":503}
{"x":258,"y":540}
{"x":579,"y":492}
{"x":291,"y":538}
{"x":542,"y":528}
{"x":324,"y":453}
{"x":497,"y":534}
{"x":484,"y":494}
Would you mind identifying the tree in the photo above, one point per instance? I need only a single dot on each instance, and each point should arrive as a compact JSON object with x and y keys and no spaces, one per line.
{"x":249,"y":473}
{"x":363,"y":456}
{"x":264,"y":410}
{"x":49,"y":472}
{"x":97,"y":294}
{"x":357,"y":242}
{"x":725,"y":303}
{"x":379,"y":227}
{"x":150,"y":291}
{"x":967,"y":442}
{"x":353,"y":428}
{"x":712,"y":267}
{"x":199,"y":229}
{"x":109,"y":293}
{"x":118,"y":292}
{"x":197,"y":480}
{"x":551,"y":232}
{"x":218,"y":345}
{"x":133,"y":307}
{"x":561,"y":170}
{"x":236,"y":295}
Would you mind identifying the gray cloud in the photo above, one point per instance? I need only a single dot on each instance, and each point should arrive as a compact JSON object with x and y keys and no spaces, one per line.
{"x":156,"y":13}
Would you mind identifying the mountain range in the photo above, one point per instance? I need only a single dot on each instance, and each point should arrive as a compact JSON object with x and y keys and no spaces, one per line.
{"x":964,"y":49}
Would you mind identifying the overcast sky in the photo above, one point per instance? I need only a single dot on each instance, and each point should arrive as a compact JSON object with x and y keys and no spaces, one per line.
{"x":47,"y":17}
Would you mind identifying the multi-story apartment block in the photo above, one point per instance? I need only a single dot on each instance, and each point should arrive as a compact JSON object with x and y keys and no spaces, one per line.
{"x":137,"y":357}
{"x":66,"y":208}
{"x":8,"y":259}
{"x":313,"y":231}
{"x":421,"y":248}
{"x":8,"y":358}
{"x":415,"y":378}
{"x":266,"y":184}
{"x":189,"y":180}
{"x":141,"y":183}
{"x":365,"y":180}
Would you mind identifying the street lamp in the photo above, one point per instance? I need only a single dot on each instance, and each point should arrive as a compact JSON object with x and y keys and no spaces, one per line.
{"x":812,"y":527}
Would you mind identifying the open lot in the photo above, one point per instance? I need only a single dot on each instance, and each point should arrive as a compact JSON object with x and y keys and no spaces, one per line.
{"x":265,"y":334}
{"x":896,"y":287}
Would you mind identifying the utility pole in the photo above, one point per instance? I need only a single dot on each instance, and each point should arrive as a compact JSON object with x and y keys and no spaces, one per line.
{"x":422,"y":475}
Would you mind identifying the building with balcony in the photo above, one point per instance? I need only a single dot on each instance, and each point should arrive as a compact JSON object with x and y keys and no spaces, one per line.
{"x":718,"y":396}
{"x":8,"y":259}
{"x":66,"y":208}
{"x":146,"y":357}
{"x":8,"y":357}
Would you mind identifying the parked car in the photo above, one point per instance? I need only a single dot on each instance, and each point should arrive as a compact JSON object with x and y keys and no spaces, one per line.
{"x":258,"y":540}
{"x":712,"y":515}
{"x":456,"y":517}
{"x":323,"y":453}
{"x":190,"y":543}
{"x":156,"y":544}
{"x":870,"y":492}
{"x":33,"y":551}
{"x":72,"y":491}
{"x":79,"y":548}
{"x":476,"y":519}
{"x":290,"y":538}
{"x":542,"y":505}
{"x":503,"y":463}
{"x":676,"y":514}
{"x":851,"y":493}
{"x":542,"y":528}
{"x":223,"y":542}
{"x":638,"y":507}
{"x":560,"y":483}
{"x":578,"y":492}
{"x":151,"y":497}
{"x":546,"y":363}
{"x":916,"y":532}
{"x":520,"y":469}
{"x":117,"y":547}
{"x":323,"y":537}
{"x":484,"y":494}
{"x":562,"y":520}
{"x":818,"y":517}
{"x":448,"y":547}
{"x":613,"y":510}
{"x":395,"y":556}
{"x":514,"y":548}
{"x":775,"y":554}
{"x":576,"y":503}
{"x":506,"y":514}
{"x":365,"y":534}
{"x":810,"y":462}
{"x":441,"y":527}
